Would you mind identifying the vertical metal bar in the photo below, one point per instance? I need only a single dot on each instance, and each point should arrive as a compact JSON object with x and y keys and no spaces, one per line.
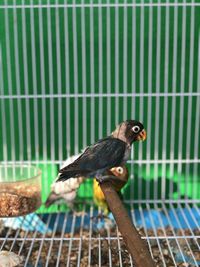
{"x":42,"y":73}
{"x":132,"y":175}
{"x":9,"y":232}
{"x":119,"y":246}
{"x":182,"y":232}
{"x":181,"y":118}
{"x":145,"y":228}
{"x":99,"y":237}
{"x":141,"y":112}
{"x":67,"y":75}
{"x":81,"y":235}
{"x":52,"y":238}
{"x":172,"y":229}
{"x":90,"y":236}
{"x":141,"y":58}
{"x":196,"y":209}
{"x":71,"y":240}
{"x":100,"y":70}
{"x":157,"y":115}
{"x":99,"y":252}
{"x":3,"y":112}
{"x":131,"y":261}
{"x":125,"y":33}
{"x":133,"y":214}
{"x":7,"y":235}
{"x":189,"y":112}
{"x":109,"y":248}
{"x":116,"y":62}
{"x":167,"y":241}
{"x":30,"y":249}
{"x":17,"y":234}
{"x":119,"y":239}
{"x":25,"y":234}
{"x":3,"y":125}
{"x":42,"y":242}
{"x":133,"y":41}
{"x":10,"y":82}
{"x":83,"y":47}
{"x":59,"y":84}
{"x":51,"y":87}
{"x":133,"y":62}
{"x":61,"y":242}
{"x":166,"y":84}
{"x":193,"y":217}
{"x":76,"y":109}
{"x":18,"y":85}
{"x":92,"y":71}
{"x":174,"y":81}
{"x":108,"y":61}
{"x":155,"y":233}
{"x":196,"y":131}
{"x":188,"y":225}
{"x":27,"y":101}
{"x":149,"y":120}
{"x":34,"y":73}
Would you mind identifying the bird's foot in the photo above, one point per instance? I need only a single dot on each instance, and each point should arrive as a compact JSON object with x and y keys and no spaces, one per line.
{"x":99,"y":178}
{"x":105,"y":178}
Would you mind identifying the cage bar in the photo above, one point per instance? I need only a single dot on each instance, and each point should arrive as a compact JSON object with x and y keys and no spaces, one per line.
{"x":70,"y":72}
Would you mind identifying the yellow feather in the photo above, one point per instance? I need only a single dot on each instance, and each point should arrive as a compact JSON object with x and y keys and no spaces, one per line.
{"x":99,"y":198}
{"x":121,"y":180}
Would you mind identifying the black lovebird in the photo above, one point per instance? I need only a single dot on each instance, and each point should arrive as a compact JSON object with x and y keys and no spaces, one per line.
{"x":106,"y":153}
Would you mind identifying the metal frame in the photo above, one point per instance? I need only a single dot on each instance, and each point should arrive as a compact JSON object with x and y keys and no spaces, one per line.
{"x":177,"y":241}
{"x":156,"y":237}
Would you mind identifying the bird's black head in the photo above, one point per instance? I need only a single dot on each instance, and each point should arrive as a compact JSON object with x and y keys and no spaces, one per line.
{"x":130,"y":131}
{"x":135,"y":131}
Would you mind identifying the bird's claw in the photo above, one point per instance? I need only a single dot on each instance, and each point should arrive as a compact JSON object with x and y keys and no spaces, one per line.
{"x":99,"y":178}
{"x":105,"y":178}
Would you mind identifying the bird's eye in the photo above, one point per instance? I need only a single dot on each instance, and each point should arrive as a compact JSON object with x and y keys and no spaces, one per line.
{"x":120,"y":170}
{"x":136,"y":129}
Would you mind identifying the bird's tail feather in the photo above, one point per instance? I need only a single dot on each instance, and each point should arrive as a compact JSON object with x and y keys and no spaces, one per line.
{"x":51,"y":199}
{"x":66,"y":175}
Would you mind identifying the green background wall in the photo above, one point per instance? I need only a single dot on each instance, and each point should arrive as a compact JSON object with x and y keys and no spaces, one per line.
{"x":43,"y":44}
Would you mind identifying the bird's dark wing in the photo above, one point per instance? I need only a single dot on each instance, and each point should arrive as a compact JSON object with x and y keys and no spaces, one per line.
{"x":104,"y":154}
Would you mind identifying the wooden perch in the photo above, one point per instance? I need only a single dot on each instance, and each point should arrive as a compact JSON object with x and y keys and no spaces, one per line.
{"x":136,"y":246}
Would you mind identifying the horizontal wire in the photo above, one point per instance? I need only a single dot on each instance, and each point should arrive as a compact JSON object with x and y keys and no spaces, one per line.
{"x":98,"y":238}
{"x":160,"y":94}
{"x":88,"y":5}
{"x":118,"y":238}
{"x":159,"y":161}
{"x":164,"y":201}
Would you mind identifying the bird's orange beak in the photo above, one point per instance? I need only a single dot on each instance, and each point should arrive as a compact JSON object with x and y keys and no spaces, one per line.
{"x":142,"y":135}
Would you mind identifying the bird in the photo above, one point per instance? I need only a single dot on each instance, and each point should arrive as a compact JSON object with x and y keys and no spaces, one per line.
{"x":121,"y":174}
{"x":66,"y":190}
{"x":106,"y":153}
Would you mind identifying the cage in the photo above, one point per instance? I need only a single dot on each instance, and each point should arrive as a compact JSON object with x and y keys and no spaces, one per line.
{"x":70,"y":71}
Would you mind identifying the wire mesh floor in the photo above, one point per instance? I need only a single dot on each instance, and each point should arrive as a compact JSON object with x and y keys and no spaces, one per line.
{"x":171,"y":230}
